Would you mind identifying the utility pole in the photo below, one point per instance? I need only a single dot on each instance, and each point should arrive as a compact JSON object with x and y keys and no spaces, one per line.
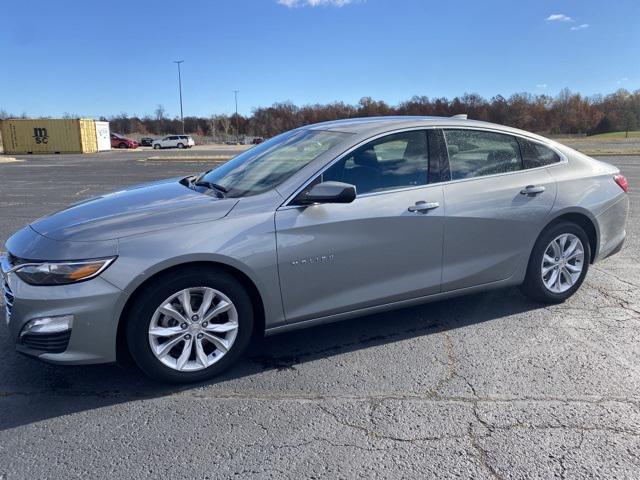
{"x":178,"y":62}
{"x":237,"y":123}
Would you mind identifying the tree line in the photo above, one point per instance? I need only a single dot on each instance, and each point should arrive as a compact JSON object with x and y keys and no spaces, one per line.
{"x":566,"y":113}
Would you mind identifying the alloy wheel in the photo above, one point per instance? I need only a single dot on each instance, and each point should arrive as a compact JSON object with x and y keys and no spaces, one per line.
{"x":193,"y":329}
{"x":562,"y":263}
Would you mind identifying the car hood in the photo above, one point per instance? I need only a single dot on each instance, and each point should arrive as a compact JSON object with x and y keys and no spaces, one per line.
{"x":139,"y":209}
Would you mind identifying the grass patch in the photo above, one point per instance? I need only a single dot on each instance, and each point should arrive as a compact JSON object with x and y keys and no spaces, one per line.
{"x":615,"y":136}
{"x":188,"y":158}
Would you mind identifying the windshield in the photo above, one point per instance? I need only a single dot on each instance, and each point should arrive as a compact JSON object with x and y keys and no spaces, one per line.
{"x":265,"y":166}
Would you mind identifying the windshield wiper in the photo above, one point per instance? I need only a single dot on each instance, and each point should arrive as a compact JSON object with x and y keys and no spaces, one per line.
{"x":212,"y":186}
{"x":202,"y":175}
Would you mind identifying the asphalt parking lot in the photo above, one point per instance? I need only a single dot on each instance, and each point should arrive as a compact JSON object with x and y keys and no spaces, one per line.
{"x":486,"y":386}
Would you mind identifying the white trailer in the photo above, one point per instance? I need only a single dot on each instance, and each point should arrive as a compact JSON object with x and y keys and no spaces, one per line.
{"x":103,"y":136}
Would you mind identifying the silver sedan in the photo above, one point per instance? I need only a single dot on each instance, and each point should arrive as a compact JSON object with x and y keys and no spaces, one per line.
{"x":316,"y":225}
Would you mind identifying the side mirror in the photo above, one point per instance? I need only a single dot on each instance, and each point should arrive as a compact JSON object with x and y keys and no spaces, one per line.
{"x":327,"y":192}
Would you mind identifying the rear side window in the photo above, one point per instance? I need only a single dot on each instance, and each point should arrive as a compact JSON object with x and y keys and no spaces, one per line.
{"x":476,"y":153}
{"x":537,"y":155}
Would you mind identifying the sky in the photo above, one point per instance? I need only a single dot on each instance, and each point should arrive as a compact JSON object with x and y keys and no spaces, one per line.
{"x":97,"y":58}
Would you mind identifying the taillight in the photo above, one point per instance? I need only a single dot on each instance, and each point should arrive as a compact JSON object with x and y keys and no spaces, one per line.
{"x":622,"y":182}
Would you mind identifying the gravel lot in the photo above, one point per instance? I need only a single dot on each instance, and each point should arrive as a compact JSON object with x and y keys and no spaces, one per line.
{"x":487,"y":386}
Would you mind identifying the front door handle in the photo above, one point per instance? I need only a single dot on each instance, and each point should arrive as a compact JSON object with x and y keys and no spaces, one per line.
{"x":532,"y":190}
{"x":423,"y":206}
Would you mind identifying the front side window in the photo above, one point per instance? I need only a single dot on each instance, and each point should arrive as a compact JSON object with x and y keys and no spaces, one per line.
{"x":395,"y":161}
{"x":265,"y":166}
{"x":537,"y":155}
{"x":476,"y":153}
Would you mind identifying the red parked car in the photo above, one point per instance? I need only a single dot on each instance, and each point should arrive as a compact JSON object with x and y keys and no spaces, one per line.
{"x":119,"y":141}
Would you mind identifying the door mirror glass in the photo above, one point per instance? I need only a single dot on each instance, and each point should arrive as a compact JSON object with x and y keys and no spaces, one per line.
{"x":327,"y":192}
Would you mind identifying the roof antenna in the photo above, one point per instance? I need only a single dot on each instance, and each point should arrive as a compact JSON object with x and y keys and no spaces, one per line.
{"x":461,"y":116}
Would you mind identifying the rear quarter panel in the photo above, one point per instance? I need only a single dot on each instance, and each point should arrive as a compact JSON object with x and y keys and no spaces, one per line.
{"x":586,"y":186}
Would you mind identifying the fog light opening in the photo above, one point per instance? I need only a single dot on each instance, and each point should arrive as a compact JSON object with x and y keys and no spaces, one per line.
{"x":48,"y":325}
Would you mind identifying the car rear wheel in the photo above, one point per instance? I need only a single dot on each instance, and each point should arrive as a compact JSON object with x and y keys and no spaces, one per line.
{"x":190,"y":327}
{"x":558,"y":264}
{"x":181,"y":145}
{"x":122,"y":145}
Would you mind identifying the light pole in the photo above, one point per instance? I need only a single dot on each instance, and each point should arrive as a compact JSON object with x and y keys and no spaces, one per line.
{"x":237,"y":129}
{"x":178,"y":62}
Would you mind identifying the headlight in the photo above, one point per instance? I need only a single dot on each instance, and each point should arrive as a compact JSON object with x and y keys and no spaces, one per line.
{"x":61,"y":273}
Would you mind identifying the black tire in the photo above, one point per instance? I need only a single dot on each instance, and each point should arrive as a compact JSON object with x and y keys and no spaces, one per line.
{"x":122,"y":145}
{"x":533,"y":285}
{"x":153,"y":295}
{"x":157,"y":146}
{"x":181,"y":145}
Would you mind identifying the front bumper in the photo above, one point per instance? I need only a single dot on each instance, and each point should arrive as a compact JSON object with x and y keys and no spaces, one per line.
{"x":93,"y":305}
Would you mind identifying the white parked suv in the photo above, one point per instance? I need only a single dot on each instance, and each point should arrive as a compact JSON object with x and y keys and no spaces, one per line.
{"x":174,"y":141}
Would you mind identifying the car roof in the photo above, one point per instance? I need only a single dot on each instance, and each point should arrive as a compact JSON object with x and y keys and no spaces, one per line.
{"x":374,"y":125}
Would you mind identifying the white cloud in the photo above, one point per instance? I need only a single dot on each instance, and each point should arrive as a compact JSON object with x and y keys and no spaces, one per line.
{"x":580,"y":27}
{"x":315,"y":3}
{"x":622,"y":80}
{"x":542,"y":85}
{"x":558,"y":17}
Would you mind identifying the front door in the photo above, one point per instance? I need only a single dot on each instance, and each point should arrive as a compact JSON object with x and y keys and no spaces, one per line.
{"x":383,"y":247}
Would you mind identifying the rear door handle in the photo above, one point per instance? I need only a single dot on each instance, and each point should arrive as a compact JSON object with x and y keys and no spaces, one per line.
{"x":423,"y":206}
{"x":532,"y":190}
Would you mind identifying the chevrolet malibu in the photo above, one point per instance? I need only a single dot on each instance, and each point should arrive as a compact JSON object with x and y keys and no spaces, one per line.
{"x":319,"y":224}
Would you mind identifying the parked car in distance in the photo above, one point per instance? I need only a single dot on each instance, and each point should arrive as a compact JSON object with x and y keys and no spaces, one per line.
{"x":257,"y":140}
{"x":146,"y":142}
{"x":174,"y":141}
{"x":120,"y":141}
{"x":319,"y":224}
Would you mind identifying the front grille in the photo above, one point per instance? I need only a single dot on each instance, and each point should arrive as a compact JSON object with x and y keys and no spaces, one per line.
{"x":8,"y":298}
{"x":47,"y":342}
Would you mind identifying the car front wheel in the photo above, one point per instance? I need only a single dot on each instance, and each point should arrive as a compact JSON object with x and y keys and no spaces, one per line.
{"x":156,"y":147}
{"x":558,"y":264}
{"x":181,"y":145}
{"x":190,"y":326}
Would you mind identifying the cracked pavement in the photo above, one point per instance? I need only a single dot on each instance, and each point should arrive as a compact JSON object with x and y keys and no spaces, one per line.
{"x":486,"y":386}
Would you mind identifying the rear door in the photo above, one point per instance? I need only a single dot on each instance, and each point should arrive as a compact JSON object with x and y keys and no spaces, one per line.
{"x":384,"y":247}
{"x":495,"y":208}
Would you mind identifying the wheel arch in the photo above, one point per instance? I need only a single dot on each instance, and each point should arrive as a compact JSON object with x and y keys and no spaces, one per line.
{"x":585,"y":220}
{"x":122,"y":351}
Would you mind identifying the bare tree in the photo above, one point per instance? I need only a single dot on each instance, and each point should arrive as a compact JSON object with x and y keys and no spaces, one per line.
{"x":225,"y":123}
{"x":159,"y":112}
{"x":629,"y":122}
